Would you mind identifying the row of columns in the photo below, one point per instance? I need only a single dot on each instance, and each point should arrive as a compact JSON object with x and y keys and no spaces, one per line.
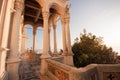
{"x":55,"y":40}
{"x":46,"y":41}
{"x":65,"y":37}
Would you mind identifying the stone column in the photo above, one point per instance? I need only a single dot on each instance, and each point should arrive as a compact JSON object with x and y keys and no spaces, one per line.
{"x":64,"y":36}
{"x":45,"y":54}
{"x":13,"y":59}
{"x":45,"y":37}
{"x":24,"y":38}
{"x":49,"y":39}
{"x":55,"y":41}
{"x":68,"y":35}
{"x":34,"y":38}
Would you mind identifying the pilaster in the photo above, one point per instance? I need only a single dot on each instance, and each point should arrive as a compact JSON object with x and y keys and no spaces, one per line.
{"x":4,"y":33}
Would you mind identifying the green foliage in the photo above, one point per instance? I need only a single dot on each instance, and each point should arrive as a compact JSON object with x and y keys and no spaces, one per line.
{"x":90,"y":49}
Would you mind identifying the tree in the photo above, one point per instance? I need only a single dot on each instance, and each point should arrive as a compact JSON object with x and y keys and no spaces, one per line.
{"x":90,"y":49}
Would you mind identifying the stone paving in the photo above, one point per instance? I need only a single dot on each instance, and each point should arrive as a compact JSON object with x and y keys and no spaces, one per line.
{"x":28,"y":70}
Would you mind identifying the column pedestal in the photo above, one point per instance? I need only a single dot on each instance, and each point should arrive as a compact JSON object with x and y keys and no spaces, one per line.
{"x":13,"y":69}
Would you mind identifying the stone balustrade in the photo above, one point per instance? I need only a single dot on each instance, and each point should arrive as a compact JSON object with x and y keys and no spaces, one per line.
{"x":4,"y":76}
{"x":60,"y":71}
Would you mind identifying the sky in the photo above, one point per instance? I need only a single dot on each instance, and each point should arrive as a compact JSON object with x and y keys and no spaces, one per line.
{"x":100,"y":17}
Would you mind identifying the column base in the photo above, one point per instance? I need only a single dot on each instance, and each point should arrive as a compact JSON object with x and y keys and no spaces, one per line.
{"x":45,"y":56}
{"x":70,"y":54}
{"x":43,"y":68}
{"x":3,"y":49}
{"x":68,"y":60}
{"x":54,"y":54}
{"x":64,"y":53}
{"x":13,"y":68}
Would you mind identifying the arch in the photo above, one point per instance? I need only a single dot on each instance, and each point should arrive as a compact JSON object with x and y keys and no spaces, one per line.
{"x":41,"y":2}
{"x":30,"y":35}
{"x":39,"y":39}
{"x":33,"y":24}
{"x":29,"y":22}
{"x":57,"y":7}
{"x":39,"y":25}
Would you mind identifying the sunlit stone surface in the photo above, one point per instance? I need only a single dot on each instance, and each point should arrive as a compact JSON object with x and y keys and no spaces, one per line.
{"x":17,"y":63}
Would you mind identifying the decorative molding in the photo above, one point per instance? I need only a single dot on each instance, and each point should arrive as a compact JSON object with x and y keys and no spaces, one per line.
{"x":59,"y":73}
{"x":45,"y":15}
{"x":4,"y":76}
{"x":4,"y":49}
{"x":19,"y":5}
{"x":111,"y":76}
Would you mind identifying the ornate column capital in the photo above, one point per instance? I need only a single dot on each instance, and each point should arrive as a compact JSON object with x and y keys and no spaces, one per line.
{"x":34,"y":31}
{"x":54,"y":26}
{"x":45,"y":15}
{"x":49,"y":29}
{"x":19,"y":5}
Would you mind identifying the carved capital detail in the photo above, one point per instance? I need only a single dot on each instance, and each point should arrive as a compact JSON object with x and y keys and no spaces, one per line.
{"x":34,"y":31}
{"x":19,"y":5}
{"x":45,"y":15}
{"x":54,"y":26}
{"x":63,"y":19}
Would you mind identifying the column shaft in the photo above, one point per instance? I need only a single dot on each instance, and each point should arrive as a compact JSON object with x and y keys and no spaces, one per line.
{"x":64,"y":36}
{"x":34,"y":39}
{"x":68,"y":36}
{"x":4,"y":33}
{"x":16,"y":30}
{"x":49,"y":39}
{"x":45,"y":38}
{"x":55,"y":40}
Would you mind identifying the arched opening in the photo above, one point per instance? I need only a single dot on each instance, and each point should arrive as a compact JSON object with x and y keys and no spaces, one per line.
{"x":55,"y":12}
{"x":39,"y":40}
{"x":29,"y":33}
